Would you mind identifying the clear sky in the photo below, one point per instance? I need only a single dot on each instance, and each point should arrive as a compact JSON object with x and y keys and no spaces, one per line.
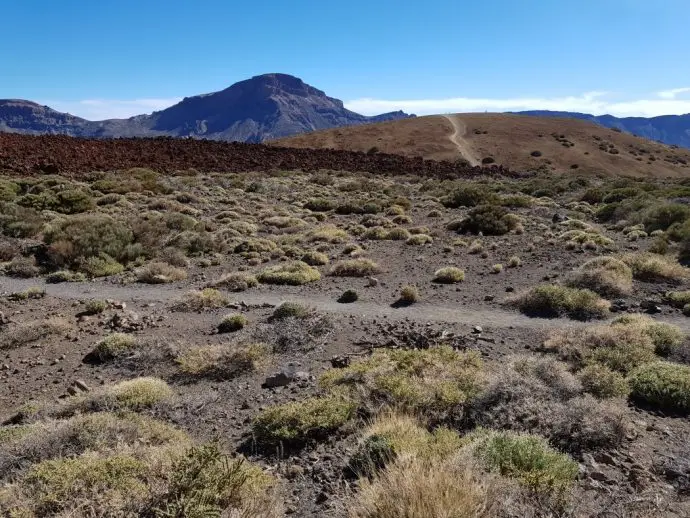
{"x":105,"y":58}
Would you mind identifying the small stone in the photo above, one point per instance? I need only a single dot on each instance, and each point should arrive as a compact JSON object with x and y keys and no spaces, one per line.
{"x":477,"y":330}
{"x":294,"y":471}
{"x":279,"y":379}
{"x":81,"y":385}
{"x":372,"y":282}
{"x":489,"y":298}
{"x":599,"y":476}
{"x":510,"y":289}
{"x":340,"y":362}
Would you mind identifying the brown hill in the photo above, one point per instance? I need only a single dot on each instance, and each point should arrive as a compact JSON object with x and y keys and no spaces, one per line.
{"x":520,"y":142}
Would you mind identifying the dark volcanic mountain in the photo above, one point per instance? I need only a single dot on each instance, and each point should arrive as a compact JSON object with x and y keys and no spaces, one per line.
{"x":669,"y":129}
{"x":261,"y":108}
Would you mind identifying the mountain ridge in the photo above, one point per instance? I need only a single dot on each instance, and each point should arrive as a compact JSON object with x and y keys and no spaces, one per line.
{"x":669,"y":129}
{"x":257,"y":109}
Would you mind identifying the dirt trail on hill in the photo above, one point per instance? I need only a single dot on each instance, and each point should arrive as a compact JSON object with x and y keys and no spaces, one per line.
{"x":421,"y":312}
{"x":457,"y":138}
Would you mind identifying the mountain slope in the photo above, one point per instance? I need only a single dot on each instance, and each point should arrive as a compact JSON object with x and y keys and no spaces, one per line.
{"x":257,"y":109}
{"x":669,"y":129}
{"x":523,"y":143}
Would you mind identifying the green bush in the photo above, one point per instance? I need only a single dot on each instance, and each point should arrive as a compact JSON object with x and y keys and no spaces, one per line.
{"x":348,"y":297}
{"x":528,"y":459}
{"x":470,"y":195}
{"x":291,"y":310}
{"x":663,"y":385}
{"x":232,"y":323}
{"x":490,"y":220}
{"x":602,"y":382}
{"x":101,"y":266}
{"x":84,"y":236}
{"x":661,"y":217}
{"x":95,"y":306}
{"x":299,"y":421}
{"x":113,"y":346}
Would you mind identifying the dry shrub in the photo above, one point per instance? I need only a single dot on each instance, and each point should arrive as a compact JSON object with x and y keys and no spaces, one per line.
{"x":449,"y":275}
{"x":294,"y":273}
{"x":437,"y":382}
{"x":410,"y":488}
{"x":237,"y":281}
{"x":551,"y":300}
{"x":655,"y":268}
{"x":223,"y":363}
{"x":542,"y":396}
{"x":607,"y":276}
{"x":28,"y":332}
{"x":208,"y":298}
{"x":620,"y":347}
{"x":354,"y":268}
{"x":160,"y":273}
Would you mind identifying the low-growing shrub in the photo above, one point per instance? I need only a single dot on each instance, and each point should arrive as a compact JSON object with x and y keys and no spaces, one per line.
{"x":526,"y":458}
{"x":602,"y":382}
{"x":297,"y":422}
{"x":294,"y":273}
{"x":223,"y":363}
{"x":348,"y":297}
{"x":436,"y":382}
{"x":449,"y":275}
{"x":490,"y":220}
{"x":95,"y":306}
{"x":663,"y":385}
{"x":314,"y":258}
{"x":409,"y":294}
{"x":291,"y":310}
{"x":208,"y":298}
{"x":607,"y":276}
{"x":232,"y":323}
{"x":619,"y":347}
{"x":113,"y":346}
{"x":160,"y":273}
{"x":655,"y":268}
{"x":354,"y":268}
{"x":237,"y":281}
{"x":550,"y":300}
{"x":65,"y":276}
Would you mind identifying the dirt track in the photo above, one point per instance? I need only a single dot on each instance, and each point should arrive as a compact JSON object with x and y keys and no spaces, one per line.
{"x":66,"y":155}
{"x":456,"y":138}
{"x":421,"y":313}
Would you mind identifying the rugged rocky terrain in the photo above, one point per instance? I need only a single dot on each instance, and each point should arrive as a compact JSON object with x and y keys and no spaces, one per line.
{"x":261,"y":108}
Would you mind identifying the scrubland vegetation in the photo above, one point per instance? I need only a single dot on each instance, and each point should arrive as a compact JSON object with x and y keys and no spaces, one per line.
{"x":311,"y":351}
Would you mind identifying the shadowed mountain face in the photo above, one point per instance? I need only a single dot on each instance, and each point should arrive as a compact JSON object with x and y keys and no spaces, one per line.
{"x":258,"y":109}
{"x":669,"y":129}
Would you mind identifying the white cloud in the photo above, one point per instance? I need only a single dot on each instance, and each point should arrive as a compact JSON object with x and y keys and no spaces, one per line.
{"x":100,"y":109}
{"x":596,"y":103}
{"x":673,"y":93}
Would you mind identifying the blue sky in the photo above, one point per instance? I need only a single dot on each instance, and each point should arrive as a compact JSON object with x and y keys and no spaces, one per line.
{"x":110,"y":58}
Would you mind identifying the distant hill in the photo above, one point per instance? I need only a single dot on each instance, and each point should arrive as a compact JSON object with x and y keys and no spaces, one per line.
{"x":261,"y":108}
{"x":669,"y":129}
{"x":523,"y":143}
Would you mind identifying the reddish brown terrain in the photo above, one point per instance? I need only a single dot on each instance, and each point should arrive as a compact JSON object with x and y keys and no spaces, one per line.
{"x":562,"y":145}
{"x":59,"y":154}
